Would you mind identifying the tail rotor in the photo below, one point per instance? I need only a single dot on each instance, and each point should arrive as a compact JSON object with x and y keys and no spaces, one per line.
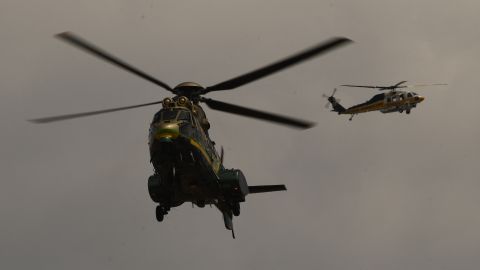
{"x":331,"y":99}
{"x":335,"y":102}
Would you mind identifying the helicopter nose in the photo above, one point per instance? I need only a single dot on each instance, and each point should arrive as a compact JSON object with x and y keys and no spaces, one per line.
{"x":419,"y":99}
{"x":165,"y":132}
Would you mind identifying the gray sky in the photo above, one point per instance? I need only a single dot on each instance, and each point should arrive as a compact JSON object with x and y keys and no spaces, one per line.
{"x":380,"y":192}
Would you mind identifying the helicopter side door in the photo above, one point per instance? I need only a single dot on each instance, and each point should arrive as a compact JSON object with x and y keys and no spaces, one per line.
{"x":388,"y":100}
{"x":392,"y":99}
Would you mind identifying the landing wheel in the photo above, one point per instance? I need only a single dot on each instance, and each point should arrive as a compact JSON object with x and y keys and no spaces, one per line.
{"x":201,"y":203}
{"x":408,"y":111}
{"x":236,"y":209}
{"x":159,"y":213}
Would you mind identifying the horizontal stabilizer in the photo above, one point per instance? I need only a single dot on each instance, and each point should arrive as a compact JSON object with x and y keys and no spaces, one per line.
{"x":266,"y":188}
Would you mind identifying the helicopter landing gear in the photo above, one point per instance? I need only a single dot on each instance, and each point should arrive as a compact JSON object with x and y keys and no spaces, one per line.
{"x":408,"y":111}
{"x":201,"y":203}
{"x":351,"y":117}
{"x":161,"y":211}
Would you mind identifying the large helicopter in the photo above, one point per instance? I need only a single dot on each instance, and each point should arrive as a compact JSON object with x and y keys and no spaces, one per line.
{"x":187,"y":166}
{"x":389,"y":102}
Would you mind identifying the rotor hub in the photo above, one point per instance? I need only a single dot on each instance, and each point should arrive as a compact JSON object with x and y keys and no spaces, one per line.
{"x":189,"y":89}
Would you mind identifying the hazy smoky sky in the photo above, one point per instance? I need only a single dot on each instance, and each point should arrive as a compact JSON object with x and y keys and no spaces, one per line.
{"x":389,"y":191}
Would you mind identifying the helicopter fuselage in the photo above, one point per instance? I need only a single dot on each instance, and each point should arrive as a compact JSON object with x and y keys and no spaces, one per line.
{"x":186,"y":164}
{"x":183,"y":155}
{"x":393,"y":101}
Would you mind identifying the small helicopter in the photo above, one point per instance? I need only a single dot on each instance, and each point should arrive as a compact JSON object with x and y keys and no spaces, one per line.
{"x":392,"y":101}
{"x":186,"y":164}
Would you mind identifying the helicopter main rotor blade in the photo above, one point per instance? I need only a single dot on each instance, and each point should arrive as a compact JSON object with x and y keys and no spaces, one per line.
{"x":423,"y":85}
{"x":280,"y":65}
{"x":381,"y":88}
{"x":363,"y":86}
{"x":77,"y":115}
{"x":89,"y":47}
{"x":398,"y":85}
{"x":235,"y":109}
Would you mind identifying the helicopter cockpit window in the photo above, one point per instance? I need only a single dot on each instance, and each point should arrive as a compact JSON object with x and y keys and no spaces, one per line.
{"x":377,"y":98}
{"x":157,"y":117}
{"x":183,"y":115}
{"x":169,"y":115}
{"x":409,"y":95}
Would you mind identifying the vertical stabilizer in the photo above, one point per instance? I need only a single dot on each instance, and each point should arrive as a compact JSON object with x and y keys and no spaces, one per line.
{"x":337,"y":107}
{"x":335,"y":102}
{"x":227,"y":218}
